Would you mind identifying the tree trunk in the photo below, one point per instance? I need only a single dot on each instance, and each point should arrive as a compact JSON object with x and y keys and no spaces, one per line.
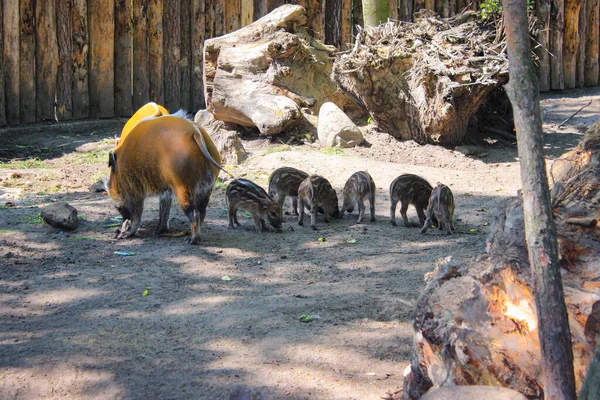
{"x":557,"y":27}
{"x":540,"y":230}
{"x":592,"y":43}
{"x":583,"y":18}
{"x":591,"y":387}
{"x":265,"y":73}
{"x":571,"y":42}
{"x":375,"y":12}
{"x":543,"y":14}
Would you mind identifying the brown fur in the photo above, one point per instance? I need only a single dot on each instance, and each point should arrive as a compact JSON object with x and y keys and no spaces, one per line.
{"x":441,"y":208}
{"x":314,"y":192}
{"x":163,"y":156}
{"x":247,"y":195}
{"x":358,"y":187}
{"x":284,"y":182}
{"x":409,"y":189}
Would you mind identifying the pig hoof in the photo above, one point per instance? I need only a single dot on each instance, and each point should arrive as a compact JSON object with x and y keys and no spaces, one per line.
{"x":193,"y":240}
{"x":393,"y":223}
{"x":314,"y":228}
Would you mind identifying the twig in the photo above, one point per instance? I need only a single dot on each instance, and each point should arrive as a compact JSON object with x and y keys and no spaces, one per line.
{"x":585,"y":222}
{"x":576,"y":112}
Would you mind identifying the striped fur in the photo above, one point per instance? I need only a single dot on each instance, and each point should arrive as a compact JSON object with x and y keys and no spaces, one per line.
{"x":284,"y":182}
{"x":409,"y":189}
{"x":441,"y":208}
{"x":314,"y":192}
{"x":358,"y":188}
{"x":243,"y":194}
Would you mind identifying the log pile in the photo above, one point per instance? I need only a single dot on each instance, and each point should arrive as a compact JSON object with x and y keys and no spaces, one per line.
{"x":425,"y":80}
{"x":476,"y":324}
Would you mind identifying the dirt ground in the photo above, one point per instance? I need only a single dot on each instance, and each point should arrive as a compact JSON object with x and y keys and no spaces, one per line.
{"x":74,"y":323}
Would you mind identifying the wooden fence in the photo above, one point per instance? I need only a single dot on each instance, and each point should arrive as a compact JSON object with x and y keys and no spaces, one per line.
{"x":75,"y":59}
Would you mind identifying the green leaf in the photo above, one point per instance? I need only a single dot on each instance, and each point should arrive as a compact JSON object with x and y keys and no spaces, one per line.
{"x":305,"y":318}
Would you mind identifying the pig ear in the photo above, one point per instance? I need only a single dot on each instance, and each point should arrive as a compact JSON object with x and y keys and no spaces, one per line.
{"x":112,"y":161}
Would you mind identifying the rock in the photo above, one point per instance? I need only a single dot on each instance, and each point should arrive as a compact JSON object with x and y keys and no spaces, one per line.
{"x":60,"y":216}
{"x":224,"y":135}
{"x":336,"y":129}
{"x":473,"y":393}
{"x":97,"y":187}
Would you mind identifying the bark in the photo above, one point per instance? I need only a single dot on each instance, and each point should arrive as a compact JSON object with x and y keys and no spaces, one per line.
{"x":543,"y":15}
{"x":102,"y":73}
{"x":571,"y":42}
{"x":46,"y":60}
{"x":583,"y":18}
{"x":2,"y":98}
{"x":557,"y":27}
{"x":80,"y":60}
{"x":10,"y":55}
{"x":64,"y":95}
{"x":141,"y":82}
{"x":591,"y":387}
{"x":264,"y":74}
{"x":592,"y":37}
{"x":540,"y":230}
{"x":123,"y":54}
{"x":27,"y":68}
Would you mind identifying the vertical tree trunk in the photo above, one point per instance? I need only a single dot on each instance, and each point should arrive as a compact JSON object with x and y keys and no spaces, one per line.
{"x":186,"y":55}
{"x":46,"y":60}
{"x":64,"y":84}
{"x":346,"y":25}
{"x":123,"y":32}
{"x":591,"y":44}
{"x":543,"y":8}
{"x":540,"y":231}
{"x":375,"y":12}
{"x":247,"y":12}
{"x":80,"y":60}
{"x":571,"y":42}
{"x":557,"y":26}
{"x":10,"y":50}
{"x":155,"y":50}
{"x":393,"y":9}
{"x":2,"y":101}
{"x":591,"y":387}
{"x":580,"y":81}
{"x":333,"y":15}
{"x":102,"y":51}
{"x":141,"y":82}
{"x":198,"y":36}
{"x":26,"y":67}
{"x":172,"y":55}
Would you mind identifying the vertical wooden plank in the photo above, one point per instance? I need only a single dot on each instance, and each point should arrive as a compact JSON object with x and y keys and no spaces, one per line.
{"x":580,"y":79}
{"x":273,"y":4}
{"x":209,"y":19}
{"x":333,"y":16}
{"x":141,"y":80}
{"x":462,"y":5}
{"x":446,"y":8}
{"x":27,"y":68}
{"x":46,"y":59}
{"x":64,"y":83}
{"x":186,"y":55}
{"x":219,"y":17}
{"x":592,"y":43}
{"x":260,"y":8}
{"x":316,"y":18}
{"x":393,"y":9}
{"x":2,"y":97}
{"x":233,"y":11}
{"x":357,"y":16}
{"x":419,"y":5}
{"x":172,"y":55}
{"x":571,"y":42}
{"x":10,"y":53}
{"x":80,"y":60}
{"x":155,"y":51}
{"x":346,"y":25}
{"x":247,"y":13}
{"x":102,"y":60}
{"x":439,"y":7}
{"x":543,"y":8}
{"x":557,"y":26}
{"x":430,"y":4}
{"x":123,"y":95}
{"x":453,"y":6}
{"x":199,"y":18}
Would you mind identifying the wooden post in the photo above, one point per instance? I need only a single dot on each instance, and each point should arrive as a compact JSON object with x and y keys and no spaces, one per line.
{"x":185,"y":99}
{"x":557,"y":27}
{"x":394,"y":9}
{"x":580,"y":59}
{"x":540,"y":230}
{"x":2,"y":101}
{"x":315,"y":18}
{"x":419,"y":5}
{"x":247,"y":13}
{"x":46,"y":59}
{"x":80,"y":60}
{"x":155,"y":50}
{"x":333,"y":15}
{"x":64,"y":83}
{"x":357,"y":16}
{"x":591,"y":387}
{"x":430,"y":5}
{"x":346,"y":25}
{"x":543,"y":14}
{"x":592,"y":44}
{"x":199,"y":22}
{"x":233,"y":11}
{"x":141,"y":80}
{"x":571,"y":42}
{"x":172,"y":55}
{"x":219,"y":17}
{"x":27,"y":65}
{"x":102,"y":52}
{"x":123,"y":37}
{"x":10,"y":50}
{"x":260,"y":9}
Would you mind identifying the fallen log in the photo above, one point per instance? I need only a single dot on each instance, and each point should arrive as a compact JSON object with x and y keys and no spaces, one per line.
{"x":264,"y":74}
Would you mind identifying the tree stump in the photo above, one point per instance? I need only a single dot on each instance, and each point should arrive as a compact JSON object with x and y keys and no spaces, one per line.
{"x":425,"y":80}
{"x":265,"y":73}
{"x":476,"y":324}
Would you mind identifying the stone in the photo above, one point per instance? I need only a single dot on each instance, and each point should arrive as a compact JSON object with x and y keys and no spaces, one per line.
{"x":336,"y":129}
{"x":60,"y":216}
{"x":224,"y":135}
{"x":473,"y":393}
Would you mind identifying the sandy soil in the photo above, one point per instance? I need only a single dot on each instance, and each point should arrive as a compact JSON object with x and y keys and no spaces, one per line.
{"x":74,"y":323}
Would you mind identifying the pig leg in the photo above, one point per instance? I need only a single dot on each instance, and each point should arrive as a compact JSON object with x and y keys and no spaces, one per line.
{"x":361,"y":210}
{"x":393,"y":211}
{"x":295,"y":205}
{"x":280,"y":200}
{"x":372,"y":206}
{"x":421,"y":215}
{"x":134,"y":210}
{"x":301,"y":209}
{"x":258,"y":223}
{"x":427,"y":221}
{"x":164,"y":211}
{"x":403,"y":210}
{"x":313,"y":216}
